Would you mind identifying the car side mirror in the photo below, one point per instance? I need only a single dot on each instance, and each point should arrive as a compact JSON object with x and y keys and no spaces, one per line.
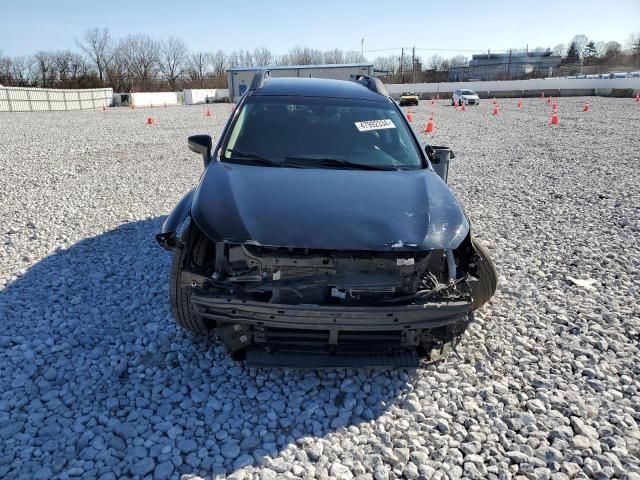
{"x":201,"y":144}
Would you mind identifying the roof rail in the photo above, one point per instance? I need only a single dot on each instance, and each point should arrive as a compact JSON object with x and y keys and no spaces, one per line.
{"x":372,"y":83}
{"x":259,"y":78}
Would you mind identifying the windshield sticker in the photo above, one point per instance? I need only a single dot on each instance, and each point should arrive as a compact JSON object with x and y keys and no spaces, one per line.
{"x":368,"y":125}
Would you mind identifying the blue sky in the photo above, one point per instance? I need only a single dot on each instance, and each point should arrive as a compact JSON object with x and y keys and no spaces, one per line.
{"x":30,"y":25}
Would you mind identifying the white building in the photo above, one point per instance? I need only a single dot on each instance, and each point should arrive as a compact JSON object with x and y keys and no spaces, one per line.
{"x":239,"y":79}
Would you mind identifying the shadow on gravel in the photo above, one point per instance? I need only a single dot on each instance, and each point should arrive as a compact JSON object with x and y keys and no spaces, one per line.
{"x":98,"y":380}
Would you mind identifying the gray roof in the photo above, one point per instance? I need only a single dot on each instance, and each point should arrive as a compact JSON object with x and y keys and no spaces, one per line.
{"x":296,"y":67}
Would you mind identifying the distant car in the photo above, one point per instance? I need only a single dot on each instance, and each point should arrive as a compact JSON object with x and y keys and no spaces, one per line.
{"x":466,"y":96}
{"x":408,"y":98}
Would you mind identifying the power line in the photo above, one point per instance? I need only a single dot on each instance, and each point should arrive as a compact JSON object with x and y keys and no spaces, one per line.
{"x":435,"y":50}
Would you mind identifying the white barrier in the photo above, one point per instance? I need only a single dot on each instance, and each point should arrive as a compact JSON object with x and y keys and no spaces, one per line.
{"x":602,"y":86}
{"x":155,"y":99}
{"x":194,"y":96}
{"x":25,"y":99}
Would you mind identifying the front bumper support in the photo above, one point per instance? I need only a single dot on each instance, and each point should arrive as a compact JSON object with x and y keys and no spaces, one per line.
{"x":227,"y":309}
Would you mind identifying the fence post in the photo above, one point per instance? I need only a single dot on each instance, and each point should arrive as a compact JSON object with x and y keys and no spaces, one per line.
{"x":64,"y":99}
{"x":29,"y":100}
{"x":79,"y":100}
{"x":6,"y":92}
{"x":48,"y":99}
{"x":93,"y":98}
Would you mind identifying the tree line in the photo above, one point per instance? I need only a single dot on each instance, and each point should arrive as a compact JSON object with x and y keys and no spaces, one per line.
{"x":139,"y":62}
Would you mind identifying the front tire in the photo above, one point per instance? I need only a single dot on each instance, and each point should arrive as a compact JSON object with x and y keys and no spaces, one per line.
{"x":485,"y":287}
{"x":180,"y":295}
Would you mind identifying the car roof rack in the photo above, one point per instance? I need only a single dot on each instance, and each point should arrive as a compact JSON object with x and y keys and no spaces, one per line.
{"x":372,"y":83}
{"x":259,"y":78}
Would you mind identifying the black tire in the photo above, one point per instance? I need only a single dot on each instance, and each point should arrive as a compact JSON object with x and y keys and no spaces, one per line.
{"x":483,"y":290}
{"x":453,"y":102}
{"x":180,"y":296}
{"x":459,"y":103}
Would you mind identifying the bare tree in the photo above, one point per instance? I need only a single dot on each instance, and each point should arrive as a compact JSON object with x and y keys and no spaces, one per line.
{"x":218,"y":62}
{"x":558,"y":50}
{"x":23,"y":71}
{"x":262,"y":57}
{"x":580,"y":41}
{"x":612,"y":50}
{"x":633,"y":43}
{"x":199,"y":67}
{"x":385,"y":64}
{"x":45,"y":65}
{"x":141,"y":53}
{"x":117,"y":70}
{"x":458,"y":61}
{"x":436,"y":62}
{"x":172,"y":59}
{"x":333,"y":56}
{"x":352,"y":56}
{"x":96,"y":44}
{"x":302,"y":56}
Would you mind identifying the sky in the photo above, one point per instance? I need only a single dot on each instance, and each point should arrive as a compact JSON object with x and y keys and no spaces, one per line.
{"x":444,"y":28}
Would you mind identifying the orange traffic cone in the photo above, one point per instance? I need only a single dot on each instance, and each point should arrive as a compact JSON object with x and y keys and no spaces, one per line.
{"x":495,"y":109}
{"x":585,"y":108}
{"x":638,"y":98}
{"x":494,"y":100}
{"x":554,"y":118}
{"x":150,"y":121}
{"x":409,"y":117}
{"x":208,"y":112}
{"x":554,"y":107}
{"x":548,"y":100}
{"x":433,"y":102}
{"x":104,"y":109}
{"x":429,"y":127}
{"x":542,"y":94}
{"x":463,"y":109}
{"x":520,"y":103}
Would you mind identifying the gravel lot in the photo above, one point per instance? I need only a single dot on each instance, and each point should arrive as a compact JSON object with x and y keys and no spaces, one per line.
{"x":98,"y":381}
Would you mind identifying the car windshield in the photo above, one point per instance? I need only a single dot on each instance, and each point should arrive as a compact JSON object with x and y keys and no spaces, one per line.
{"x":312,"y":132}
{"x":408,"y":94}
{"x":468,"y":92}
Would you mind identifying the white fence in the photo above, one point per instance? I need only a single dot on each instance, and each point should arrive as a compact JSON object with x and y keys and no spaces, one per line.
{"x":21,"y":99}
{"x":600,"y":86}
{"x":202,"y":95}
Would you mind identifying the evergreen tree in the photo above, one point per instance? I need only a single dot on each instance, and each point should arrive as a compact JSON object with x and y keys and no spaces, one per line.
{"x":590,"y":50}
{"x":573,"y":55}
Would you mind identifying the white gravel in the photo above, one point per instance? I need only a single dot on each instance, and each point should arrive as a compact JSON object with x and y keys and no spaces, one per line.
{"x":98,"y":381}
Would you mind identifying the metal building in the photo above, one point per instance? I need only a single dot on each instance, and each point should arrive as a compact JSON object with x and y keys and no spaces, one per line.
{"x":504,"y":66}
{"x":240,"y":78}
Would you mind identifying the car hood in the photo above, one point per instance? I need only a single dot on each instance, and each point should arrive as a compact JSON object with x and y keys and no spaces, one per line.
{"x":476,"y":97}
{"x":328,"y":208}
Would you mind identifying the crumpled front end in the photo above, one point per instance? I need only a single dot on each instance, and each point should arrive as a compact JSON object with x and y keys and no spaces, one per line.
{"x":281,"y":306}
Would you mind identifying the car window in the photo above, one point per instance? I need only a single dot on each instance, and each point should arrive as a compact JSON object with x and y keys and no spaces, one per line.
{"x":279,"y":128}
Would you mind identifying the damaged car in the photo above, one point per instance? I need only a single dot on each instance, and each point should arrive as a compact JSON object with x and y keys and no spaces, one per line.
{"x":323,"y":234}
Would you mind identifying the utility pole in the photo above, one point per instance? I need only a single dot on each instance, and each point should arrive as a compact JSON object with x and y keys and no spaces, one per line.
{"x":509,"y":66}
{"x":401,"y":65}
{"x":413,"y":63}
{"x":362,"y":50}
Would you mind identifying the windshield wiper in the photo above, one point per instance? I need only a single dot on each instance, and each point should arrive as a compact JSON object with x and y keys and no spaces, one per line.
{"x":238,"y":155}
{"x":336,"y":162}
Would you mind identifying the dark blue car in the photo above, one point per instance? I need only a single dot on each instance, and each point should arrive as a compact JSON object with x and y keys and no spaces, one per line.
{"x":320,"y":234}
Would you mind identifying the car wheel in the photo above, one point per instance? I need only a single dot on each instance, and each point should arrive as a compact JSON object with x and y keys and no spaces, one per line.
{"x":179,"y":295}
{"x":485,"y":287}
